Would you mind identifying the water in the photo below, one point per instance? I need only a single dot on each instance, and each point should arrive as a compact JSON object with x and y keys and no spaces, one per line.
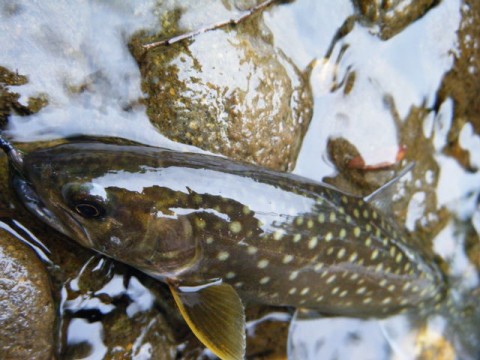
{"x":399,"y":96}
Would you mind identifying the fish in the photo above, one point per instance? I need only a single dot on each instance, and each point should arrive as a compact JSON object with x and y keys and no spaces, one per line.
{"x":223,"y":233}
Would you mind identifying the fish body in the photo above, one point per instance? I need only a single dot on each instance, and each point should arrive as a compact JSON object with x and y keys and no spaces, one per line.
{"x":277,"y":238}
{"x":193,"y":220}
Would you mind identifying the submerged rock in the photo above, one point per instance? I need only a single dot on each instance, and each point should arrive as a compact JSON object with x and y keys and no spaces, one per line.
{"x":462,"y":85}
{"x":392,"y":17}
{"x":27,"y":311}
{"x":9,"y":100}
{"x":229,"y":91}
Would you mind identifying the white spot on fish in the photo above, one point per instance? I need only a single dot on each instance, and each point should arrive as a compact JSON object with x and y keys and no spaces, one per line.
{"x":357,"y":231}
{"x":252,"y":250}
{"x":200,"y":223}
{"x":312,"y":243}
{"x":278,"y":235}
{"x":321,"y":218}
{"x":293,"y":275}
{"x":223,"y":255}
{"x":262,"y":264}
{"x":264,"y":280}
{"x":392,"y":251}
{"x":235,"y":227}
{"x":333,"y":217}
{"x":361,"y":290}
{"x":305,"y":291}
{"x":318,"y":267}
{"x":331,"y":279}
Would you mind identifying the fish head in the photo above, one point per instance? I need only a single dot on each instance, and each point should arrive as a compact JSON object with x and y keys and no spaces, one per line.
{"x":83,"y":191}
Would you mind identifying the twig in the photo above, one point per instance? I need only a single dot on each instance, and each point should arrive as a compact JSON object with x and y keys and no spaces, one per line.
{"x":246,"y":14}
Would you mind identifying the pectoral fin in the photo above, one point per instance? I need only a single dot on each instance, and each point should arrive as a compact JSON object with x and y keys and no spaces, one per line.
{"x":216,"y":316}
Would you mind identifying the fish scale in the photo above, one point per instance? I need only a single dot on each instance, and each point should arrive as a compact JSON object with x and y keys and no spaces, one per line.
{"x":331,"y":272}
{"x":223,"y":232}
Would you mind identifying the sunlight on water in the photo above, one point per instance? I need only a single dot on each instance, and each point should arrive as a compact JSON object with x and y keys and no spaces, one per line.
{"x":76,"y":53}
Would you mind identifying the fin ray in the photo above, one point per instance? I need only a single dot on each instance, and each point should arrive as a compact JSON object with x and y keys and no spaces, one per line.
{"x":381,"y":196}
{"x":216,"y":316}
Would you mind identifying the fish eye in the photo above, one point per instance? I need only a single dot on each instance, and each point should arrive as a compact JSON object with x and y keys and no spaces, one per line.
{"x":88,"y":200}
{"x":90,"y":210}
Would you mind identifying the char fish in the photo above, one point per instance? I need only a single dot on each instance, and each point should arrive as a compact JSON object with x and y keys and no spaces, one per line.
{"x":222,"y":233}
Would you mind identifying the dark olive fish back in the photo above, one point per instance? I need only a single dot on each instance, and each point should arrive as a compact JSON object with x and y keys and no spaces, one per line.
{"x":277,"y":238}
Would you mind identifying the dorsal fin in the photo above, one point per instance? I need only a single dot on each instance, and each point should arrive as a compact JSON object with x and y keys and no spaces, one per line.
{"x":216,"y":316}
{"x":382,"y":197}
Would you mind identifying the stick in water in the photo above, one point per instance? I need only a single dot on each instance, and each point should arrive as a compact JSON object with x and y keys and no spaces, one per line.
{"x":245,"y":15}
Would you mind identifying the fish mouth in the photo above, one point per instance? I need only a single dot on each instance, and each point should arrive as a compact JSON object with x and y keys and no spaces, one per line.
{"x":30,"y":199}
{"x":83,"y":236}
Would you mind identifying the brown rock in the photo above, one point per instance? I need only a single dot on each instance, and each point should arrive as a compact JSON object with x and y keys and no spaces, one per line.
{"x":462,"y":82}
{"x":27,"y":313}
{"x":392,"y":16}
{"x":229,"y":91}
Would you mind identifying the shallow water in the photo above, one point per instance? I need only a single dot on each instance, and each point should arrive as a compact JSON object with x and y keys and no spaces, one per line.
{"x":378,"y":91}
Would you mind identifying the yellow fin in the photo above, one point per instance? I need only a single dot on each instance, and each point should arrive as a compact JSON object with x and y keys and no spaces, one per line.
{"x":216,"y":316}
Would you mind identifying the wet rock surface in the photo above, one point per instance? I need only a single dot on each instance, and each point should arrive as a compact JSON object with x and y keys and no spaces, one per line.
{"x":9,"y":100}
{"x":462,"y":84}
{"x":27,"y":310}
{"x":188,"y":75}
{"x":229,"y":91}
{"x":392,"y":17}
{"x":110,"y":314}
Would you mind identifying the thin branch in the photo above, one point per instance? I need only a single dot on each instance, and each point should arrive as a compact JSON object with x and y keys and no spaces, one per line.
{"x":245,"y":15}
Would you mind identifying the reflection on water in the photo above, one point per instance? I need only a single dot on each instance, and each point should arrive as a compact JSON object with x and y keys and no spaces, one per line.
{"x":379,"y":92}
